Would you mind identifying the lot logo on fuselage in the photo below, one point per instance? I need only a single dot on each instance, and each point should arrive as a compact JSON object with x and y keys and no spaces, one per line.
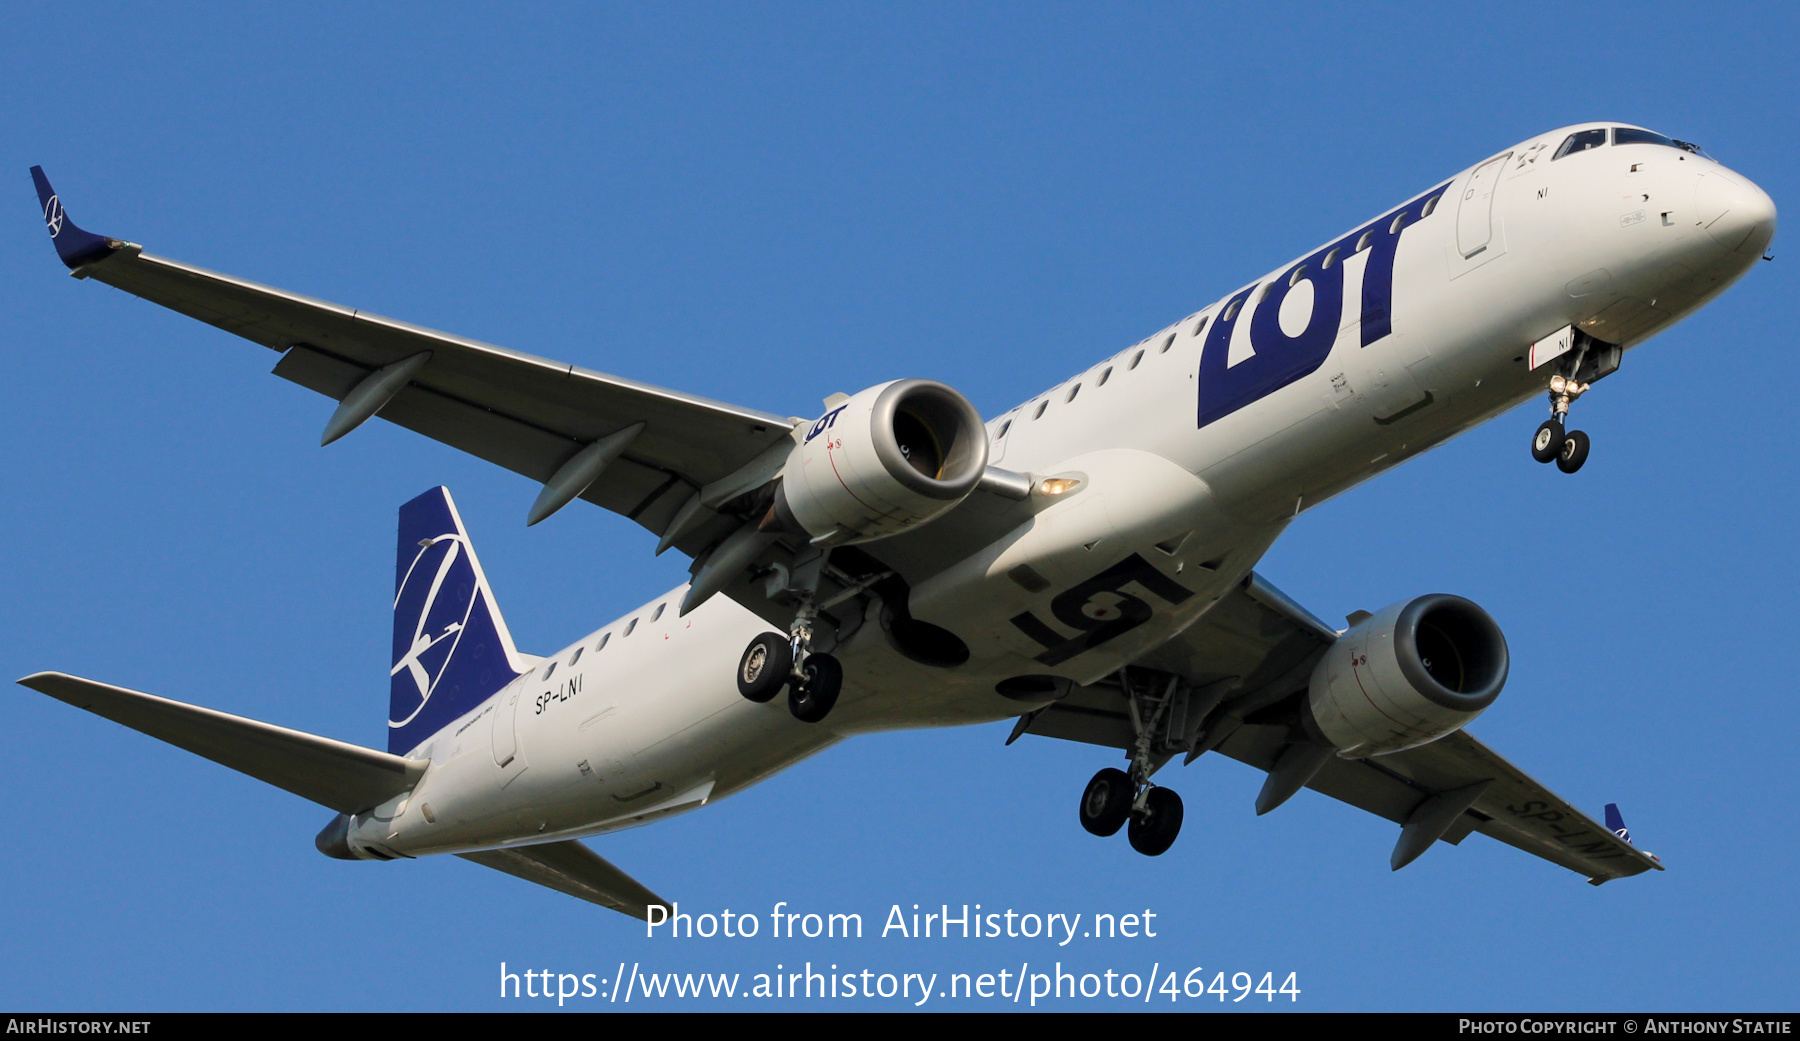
{"x":1278,"y":359}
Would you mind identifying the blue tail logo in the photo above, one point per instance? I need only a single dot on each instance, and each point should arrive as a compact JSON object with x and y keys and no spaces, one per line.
{"x":1615,"y":821}
{"x":74,"y":246}
{"x":451,"y":647}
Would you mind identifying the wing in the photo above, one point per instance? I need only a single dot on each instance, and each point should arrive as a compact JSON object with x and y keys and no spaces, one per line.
{"x":531,"y":415}
{"x":1246,"y":659}
{"x":693,"y":471}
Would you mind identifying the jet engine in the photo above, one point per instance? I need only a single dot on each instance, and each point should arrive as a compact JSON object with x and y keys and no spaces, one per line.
{"x":1406,"y":676}
{"x":891,"y":458}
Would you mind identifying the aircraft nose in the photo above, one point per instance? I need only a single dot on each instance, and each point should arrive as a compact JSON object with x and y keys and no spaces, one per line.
{"x":1736,"y":213}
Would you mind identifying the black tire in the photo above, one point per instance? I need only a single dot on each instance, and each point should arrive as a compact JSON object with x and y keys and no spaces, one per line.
{"x":763,"y":670}
{"x":811,"y":701}
{"x":1546,"y":444}
{"x":1107,"y":802}
{"x":1574,"y":452}
{"x":1155,"y":832}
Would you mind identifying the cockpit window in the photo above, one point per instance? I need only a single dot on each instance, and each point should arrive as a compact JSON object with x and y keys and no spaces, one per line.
{"x":1580,"y":141}
{"x":1629,"y":136}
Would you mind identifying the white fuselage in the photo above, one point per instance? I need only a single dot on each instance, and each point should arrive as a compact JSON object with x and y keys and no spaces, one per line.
{"x":642,"y":718}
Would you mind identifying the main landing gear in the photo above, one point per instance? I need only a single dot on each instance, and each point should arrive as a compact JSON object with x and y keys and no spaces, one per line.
{"x":768,"y":665}
{"x":1115,"y":798}
{"x":771,"y":662}
{"x":1151,"y":816}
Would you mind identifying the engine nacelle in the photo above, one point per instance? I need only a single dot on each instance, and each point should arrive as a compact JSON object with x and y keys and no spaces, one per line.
{"x":891,"y":458}
{"x":1410,"y":674}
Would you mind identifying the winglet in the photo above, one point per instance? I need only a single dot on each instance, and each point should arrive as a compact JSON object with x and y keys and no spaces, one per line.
{"x":74,"y":246}
{"x":1615,"y":822}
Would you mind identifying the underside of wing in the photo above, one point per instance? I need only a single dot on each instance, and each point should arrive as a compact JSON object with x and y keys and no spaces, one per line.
{"x":525,"y":413}
{"x":638,"y":450}
{"x":697,"y":473}
{"x":1242,"y":671}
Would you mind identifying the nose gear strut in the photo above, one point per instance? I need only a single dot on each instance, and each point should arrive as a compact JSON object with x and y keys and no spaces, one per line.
{"x":1551,"y":442}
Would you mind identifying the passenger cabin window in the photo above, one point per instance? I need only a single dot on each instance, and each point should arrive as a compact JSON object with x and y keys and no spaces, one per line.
{"x":1200,"y":326}
{"x":1004,"y":427}
{"x":1168,"y":343}
{"x":1042,"y":405}
{"x":1104,"y":376}
{"x":1580,"y":141}
{"x":548,"y":669}
{"x":1299,"y":273}
{"x":1076,"y":389}
{"x":601,"y":646}
{"x":1139,"y":356}
{"x":573,"y":658}
{"x":1429,"y":206}
{"x":659,"y":611}
{"x":1231,"y":312}
{"x":630,"y":626}
{"x":1629,"y":136}
{"x":1363,"y":243}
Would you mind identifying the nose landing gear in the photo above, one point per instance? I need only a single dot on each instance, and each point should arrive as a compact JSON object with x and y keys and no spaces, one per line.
{"x":1550,"y":443}
{"x":1568,"y":450}
{"x":1591,"y":361}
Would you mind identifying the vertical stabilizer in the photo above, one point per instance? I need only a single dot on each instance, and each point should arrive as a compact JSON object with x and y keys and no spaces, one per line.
{"x":451,"y":647}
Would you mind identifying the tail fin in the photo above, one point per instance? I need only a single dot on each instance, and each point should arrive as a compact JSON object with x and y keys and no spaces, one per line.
{"x":1615,"y":821}
{"x":451,"y":647}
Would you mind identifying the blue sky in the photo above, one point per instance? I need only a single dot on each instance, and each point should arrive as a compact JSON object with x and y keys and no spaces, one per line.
{"x":767,"y":204}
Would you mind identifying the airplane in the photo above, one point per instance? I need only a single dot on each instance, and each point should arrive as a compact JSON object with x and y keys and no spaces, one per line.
{"x":1083,"y":563}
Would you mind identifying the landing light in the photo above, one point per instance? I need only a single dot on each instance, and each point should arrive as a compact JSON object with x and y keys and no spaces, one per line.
{"x":1058,"y":485}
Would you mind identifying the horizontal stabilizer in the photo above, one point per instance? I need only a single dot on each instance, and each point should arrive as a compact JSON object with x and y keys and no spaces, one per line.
{"x":572,"y":868}
{"x":345,"y":777}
